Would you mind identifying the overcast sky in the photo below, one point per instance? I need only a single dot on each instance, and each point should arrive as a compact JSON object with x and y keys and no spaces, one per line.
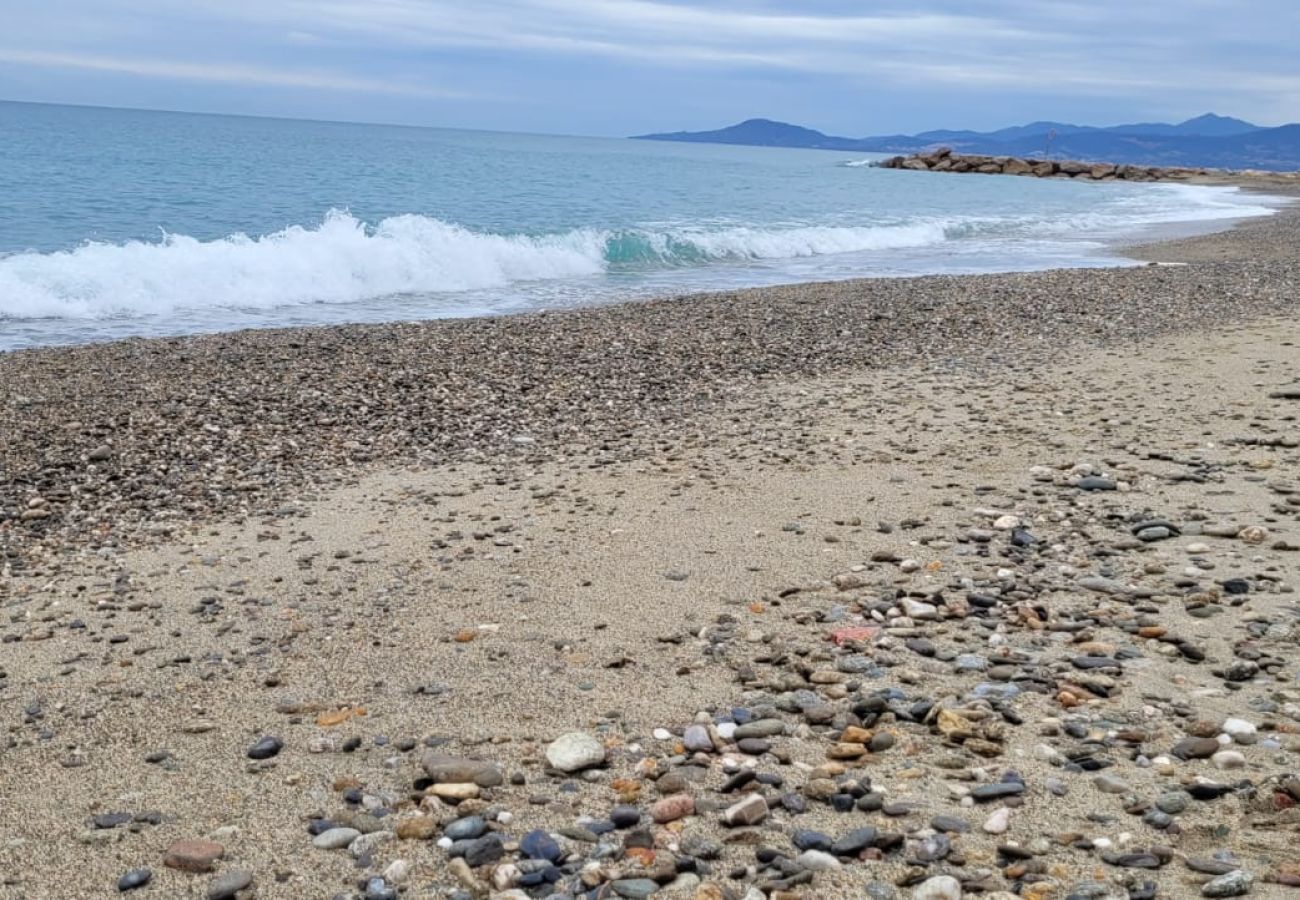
{"x":615,"y":67}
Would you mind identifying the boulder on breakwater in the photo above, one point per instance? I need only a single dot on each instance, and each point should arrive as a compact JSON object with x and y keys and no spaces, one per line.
{"x":944,"y":159}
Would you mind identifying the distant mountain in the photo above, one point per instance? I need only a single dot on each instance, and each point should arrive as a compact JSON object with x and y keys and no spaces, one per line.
{"x":759,"y":133}
{"x":1208,"y":140}
{"x":1208,"y":125}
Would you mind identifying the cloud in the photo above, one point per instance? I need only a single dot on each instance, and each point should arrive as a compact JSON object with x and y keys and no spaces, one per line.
{"x":1157,"y":55}
{"x":227,"y":73}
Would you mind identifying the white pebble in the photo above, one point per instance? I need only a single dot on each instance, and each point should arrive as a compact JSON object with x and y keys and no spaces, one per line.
{"x":998,"y":822}
{"x":1238,"y":727}
{"x":1228,"y":759}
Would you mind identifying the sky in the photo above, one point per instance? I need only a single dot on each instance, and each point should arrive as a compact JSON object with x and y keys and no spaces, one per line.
{"x":619,"y":67}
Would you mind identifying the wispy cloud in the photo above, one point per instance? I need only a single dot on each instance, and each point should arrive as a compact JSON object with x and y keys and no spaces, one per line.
{"x":227,"y":73}
{"x":1175,"y":54}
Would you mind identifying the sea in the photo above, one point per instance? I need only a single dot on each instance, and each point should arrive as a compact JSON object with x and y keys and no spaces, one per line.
{"x":123,"y":223}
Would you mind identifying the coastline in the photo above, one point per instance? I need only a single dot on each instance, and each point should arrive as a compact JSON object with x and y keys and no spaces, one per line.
{"x":470,"y":537}
{"x":714,"y":343}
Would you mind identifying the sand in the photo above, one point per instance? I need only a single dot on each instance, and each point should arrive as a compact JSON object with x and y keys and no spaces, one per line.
{"x":551,"y":564}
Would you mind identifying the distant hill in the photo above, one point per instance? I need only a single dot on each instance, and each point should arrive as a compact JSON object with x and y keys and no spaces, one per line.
{"x":760,"y":133}
{"x":1208,"y":140}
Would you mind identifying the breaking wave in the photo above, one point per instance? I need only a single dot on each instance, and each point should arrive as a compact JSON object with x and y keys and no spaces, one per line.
{"x":344,"y":260}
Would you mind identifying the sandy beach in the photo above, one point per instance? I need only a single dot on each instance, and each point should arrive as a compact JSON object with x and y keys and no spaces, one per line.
{"x":937,"y":587}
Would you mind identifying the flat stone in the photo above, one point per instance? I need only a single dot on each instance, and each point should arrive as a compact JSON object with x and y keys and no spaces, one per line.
{"x":1112,"y":784}
{"x":670,"y":809}
{"x":227,"y":885}
{"x":368,"y":843}
{"x":817,"y":861}
{"x":335,"y":838}
{"x":916,"y":609}
{"x":749,"y":811}
{"x":1195,"y":748}
{"x":950,"y":823}
{"x":538,"y":844}
{"x":760,"y":728}
{"x":266,"y":747}
{"x":133,"y":879}
{"x":696,"y":739}
{"x":575,"y":751}
{"x":1228,"y":759}
{"x":806,"y":839}
{"x":193,"y":856}
{"x":986,"y":792}
{"x":854,"y":842}
{"x":634,"y":888}
{"x":1234,"y":884}
{"x":940,"y":887}
{"x":466,"y":829}
{"x":458,"y":770}
{"x":998,"y":821}
{"x":484,"y":851}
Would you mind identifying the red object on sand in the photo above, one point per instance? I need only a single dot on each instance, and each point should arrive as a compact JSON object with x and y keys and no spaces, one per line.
{"x":854,"y":633}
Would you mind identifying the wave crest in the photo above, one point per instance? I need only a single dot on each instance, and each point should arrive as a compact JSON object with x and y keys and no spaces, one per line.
{"x":343,"y":260}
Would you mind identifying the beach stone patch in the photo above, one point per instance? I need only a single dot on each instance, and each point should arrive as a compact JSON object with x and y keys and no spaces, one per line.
{"x":914,"y":723}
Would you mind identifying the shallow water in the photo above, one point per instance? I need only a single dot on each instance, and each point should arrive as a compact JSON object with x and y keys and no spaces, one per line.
{"x":116,"y":223}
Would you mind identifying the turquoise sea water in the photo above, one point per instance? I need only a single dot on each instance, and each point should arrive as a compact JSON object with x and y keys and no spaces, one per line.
{"x":116,"y":223}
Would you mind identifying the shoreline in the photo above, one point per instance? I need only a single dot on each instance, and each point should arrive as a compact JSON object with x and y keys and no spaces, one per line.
{"x":1111,"y":250}
{"x":32,"y":381}
{"x":997,"y":573}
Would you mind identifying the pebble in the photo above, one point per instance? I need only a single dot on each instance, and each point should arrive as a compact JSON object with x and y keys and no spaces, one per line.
{"x":670,"y":809}
{"x":368,"y":842}
{"x":193,"y":855}
{"x":1195,"y":748}
{"x":135,"y":878}
{"x":538,"y":844}
{"x":998,"y":821}
{"x":1234,"y":884}
{"x":459,"y":770}
{"x":696,"y":739}
{"x":1228,"y":759}
{"x":266,"y":748}
{"x":940,"y":887}
{"x":466,"y":828}
{"x":986,"y":792}
{"x":227,"y":885}
{"x":749,"y":811}
{"x":817,"y":861}
{"x":335,"y":838}
{"x":575,"y":751}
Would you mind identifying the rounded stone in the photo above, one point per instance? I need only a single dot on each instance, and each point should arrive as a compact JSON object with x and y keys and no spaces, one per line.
{"x":670,"y":809}
{"x":266,"y":747}
{"x":575,"y":751}
{"x":227,"y":885}
{"x":135,"y":878}
{"x":940,"y":887}
{"x":193,"y":856}
{"x":335,"y":838}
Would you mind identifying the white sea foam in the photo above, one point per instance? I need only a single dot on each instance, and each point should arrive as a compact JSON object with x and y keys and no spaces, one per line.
{"x":339,"y":261}
{"x":342,"y":260}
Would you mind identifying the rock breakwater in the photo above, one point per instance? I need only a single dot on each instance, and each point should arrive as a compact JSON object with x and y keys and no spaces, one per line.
{"x":944,"y":159}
